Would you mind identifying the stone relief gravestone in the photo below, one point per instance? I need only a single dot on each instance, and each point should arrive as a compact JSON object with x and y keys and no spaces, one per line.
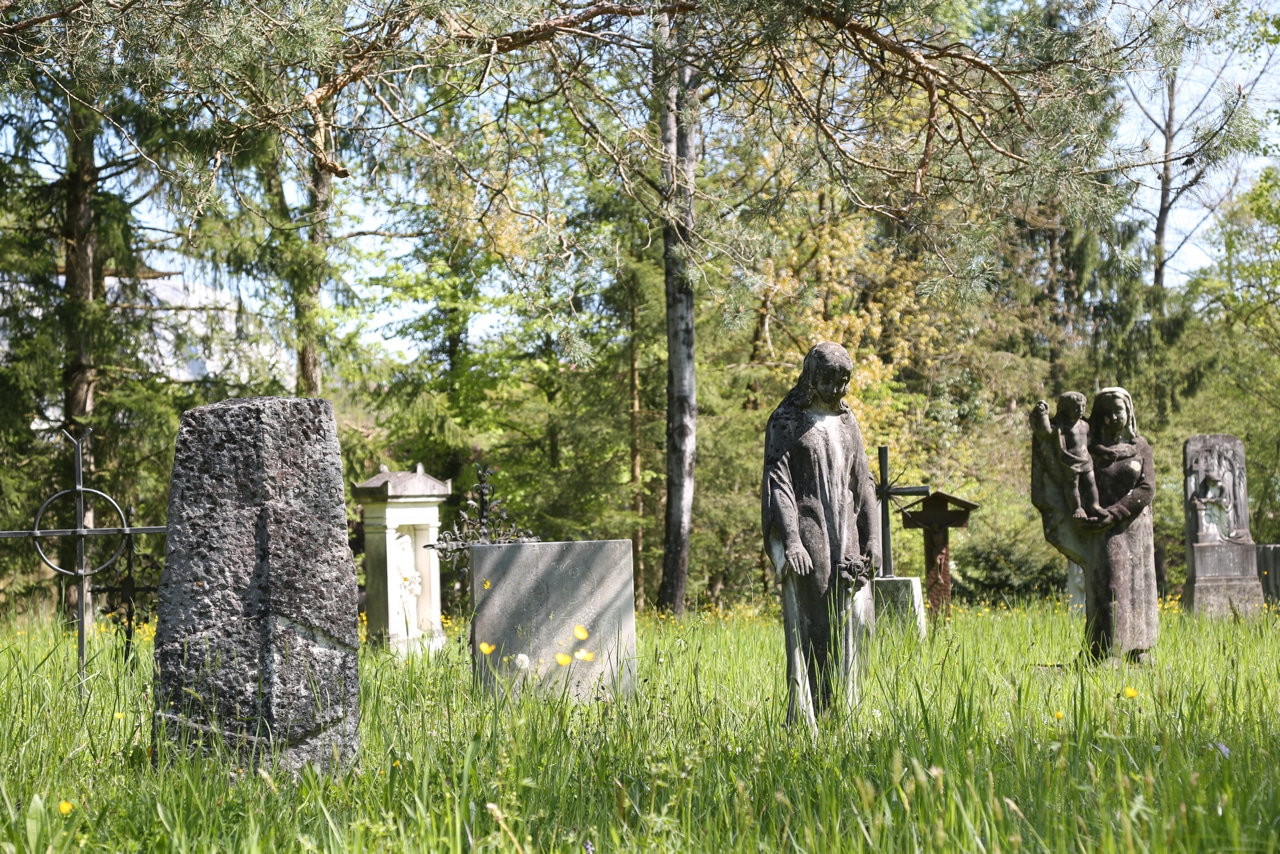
{"x":557,"y":615}
{"x":256,"y":622}
{"x":821,"y":530}
{"x":402,"y":575}
{"x":1222,"y":568}
{"x":1093,"y":483}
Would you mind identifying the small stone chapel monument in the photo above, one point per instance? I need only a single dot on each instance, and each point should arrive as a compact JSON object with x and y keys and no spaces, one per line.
{"x":1222,"y":564}
{"x":402,"y":575}
{"x":256,"y":623}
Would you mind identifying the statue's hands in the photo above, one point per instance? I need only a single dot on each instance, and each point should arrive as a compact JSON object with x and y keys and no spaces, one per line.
{"x":1099,"y":523}
{"x":799,"y":561}
{"x":856,"y":571}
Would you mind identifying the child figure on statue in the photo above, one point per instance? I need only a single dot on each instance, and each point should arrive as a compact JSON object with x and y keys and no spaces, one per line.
{"x":1073,"y":435}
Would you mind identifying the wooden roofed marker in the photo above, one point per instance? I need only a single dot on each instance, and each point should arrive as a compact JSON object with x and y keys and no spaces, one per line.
{"x":937,"y":514}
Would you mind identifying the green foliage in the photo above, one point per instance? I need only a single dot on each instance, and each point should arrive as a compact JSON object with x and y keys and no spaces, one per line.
{"x":983,"y":735}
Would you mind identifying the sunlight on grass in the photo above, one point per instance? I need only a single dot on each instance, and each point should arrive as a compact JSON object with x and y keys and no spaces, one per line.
{"x":985,"y":737}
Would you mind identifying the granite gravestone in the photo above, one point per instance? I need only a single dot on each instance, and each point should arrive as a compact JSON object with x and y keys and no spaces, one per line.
{"x":1222,"y":568}
{"x":1097,"y":512}
{"x":256,"y":623}
{"x":558,"y":615}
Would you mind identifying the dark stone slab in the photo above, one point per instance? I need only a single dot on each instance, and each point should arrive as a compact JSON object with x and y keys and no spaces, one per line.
{"x":1269,"y":572}
{"x":534,"y":601}
{"x":256,"y":637}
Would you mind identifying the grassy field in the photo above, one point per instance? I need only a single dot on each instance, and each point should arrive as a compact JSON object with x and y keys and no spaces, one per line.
{"x":984,"y":739}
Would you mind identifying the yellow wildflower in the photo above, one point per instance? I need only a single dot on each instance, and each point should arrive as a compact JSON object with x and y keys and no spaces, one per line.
{"x":1057,"y":715}
{"x":580,"y":632}
{"x":562,"y":659}
{"x":119,"y":715}
{"x":64,"y":807}
{"x":583,"y":655}
{"x":487,"y":648}
{"x":1130,"y":692}
{"x":487,"y":585}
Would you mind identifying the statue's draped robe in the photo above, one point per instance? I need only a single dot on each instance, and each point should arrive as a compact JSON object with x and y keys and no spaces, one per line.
{"x":818,"y":493}
{"x":1121,"y":608}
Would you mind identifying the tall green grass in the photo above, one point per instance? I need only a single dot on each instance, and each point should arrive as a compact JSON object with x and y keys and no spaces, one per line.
{"x":957,"y":744}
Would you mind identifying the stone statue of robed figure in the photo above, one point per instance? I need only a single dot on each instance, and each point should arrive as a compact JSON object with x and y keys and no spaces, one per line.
{"x":822,"y":532}
{"x":1093,"y":483}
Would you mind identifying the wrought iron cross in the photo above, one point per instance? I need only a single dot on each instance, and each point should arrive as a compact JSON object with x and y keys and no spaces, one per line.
{"x":885,"y":491}
{"x":128,"y":589}
{"x":82,"y":572}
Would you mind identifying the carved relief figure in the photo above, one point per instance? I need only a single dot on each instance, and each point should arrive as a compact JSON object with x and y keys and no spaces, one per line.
{"x":1219,"y":496}
{"x":1113,"y":541}
{"x":821,"y":530}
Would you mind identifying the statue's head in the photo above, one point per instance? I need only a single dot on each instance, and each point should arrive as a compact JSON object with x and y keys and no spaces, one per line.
{"x":1112,"y":419}
{"x":1071,"y":405}
{"x":826,"y":373}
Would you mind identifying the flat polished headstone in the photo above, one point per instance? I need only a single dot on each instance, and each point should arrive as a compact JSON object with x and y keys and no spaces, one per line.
{"x":558,"y":615}
{"x":256,"y":638}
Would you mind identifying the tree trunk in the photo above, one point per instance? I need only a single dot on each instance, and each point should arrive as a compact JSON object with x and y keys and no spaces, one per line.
{"x":306,"y":291}
{"x":678,"y":167}
{"x":637,"y":480}
{"x":80,"y":244}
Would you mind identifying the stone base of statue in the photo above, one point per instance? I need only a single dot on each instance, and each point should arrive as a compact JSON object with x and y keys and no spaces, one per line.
{"x":901,"y":599}
{"x":1222,"y":580}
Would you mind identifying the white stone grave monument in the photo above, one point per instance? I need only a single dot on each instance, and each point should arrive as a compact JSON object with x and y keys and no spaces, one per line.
{"x":402,"y":575}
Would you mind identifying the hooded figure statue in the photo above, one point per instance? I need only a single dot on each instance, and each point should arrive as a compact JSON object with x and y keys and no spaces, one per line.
{"x":821,"y":530}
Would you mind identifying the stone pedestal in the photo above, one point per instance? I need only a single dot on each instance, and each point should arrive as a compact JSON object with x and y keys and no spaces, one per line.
{"x":1222,"y":559}
{"x":402,"y":575}
{"x":1222,"y":578}
{"x":901,"y":599}
{"x":558,"y":615}
{"x":256,"y":640}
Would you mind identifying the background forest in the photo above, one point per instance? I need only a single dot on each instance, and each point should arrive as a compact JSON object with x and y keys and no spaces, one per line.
{"x":518,"y":234}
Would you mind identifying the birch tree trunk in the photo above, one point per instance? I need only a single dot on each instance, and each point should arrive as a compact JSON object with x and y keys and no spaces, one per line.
{"x":679,"y":162}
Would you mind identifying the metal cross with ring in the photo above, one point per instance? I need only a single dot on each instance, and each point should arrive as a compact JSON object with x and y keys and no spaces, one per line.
{"x":81,"y":572}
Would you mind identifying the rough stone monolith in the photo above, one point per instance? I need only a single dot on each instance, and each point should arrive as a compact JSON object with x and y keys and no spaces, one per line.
{"x":256,"y":638}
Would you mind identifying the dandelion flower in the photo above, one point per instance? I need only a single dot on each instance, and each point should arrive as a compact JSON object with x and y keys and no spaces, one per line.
{"x":64,"y":807}
{"x":583,"y":655}
{"x":487,"y":648}
{"x":580,"y":632}
{"x":1057,"y":715}
{"x":1130,"y":692}
{"x":563,"y":659}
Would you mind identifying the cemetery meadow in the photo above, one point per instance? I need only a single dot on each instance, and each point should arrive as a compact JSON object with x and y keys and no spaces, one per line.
{"x":982,"y":738}
{"x":572,"y":426}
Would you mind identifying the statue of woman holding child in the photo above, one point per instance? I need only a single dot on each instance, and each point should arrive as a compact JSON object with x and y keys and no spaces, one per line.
{"x":1096,"y":510}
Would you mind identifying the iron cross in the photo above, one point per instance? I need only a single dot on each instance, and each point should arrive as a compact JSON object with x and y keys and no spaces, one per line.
{"x":885,"y":491}
{"x":81,"y":572}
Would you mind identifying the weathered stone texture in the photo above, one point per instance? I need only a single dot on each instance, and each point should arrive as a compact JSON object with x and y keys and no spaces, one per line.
{"x":256,"y":633}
